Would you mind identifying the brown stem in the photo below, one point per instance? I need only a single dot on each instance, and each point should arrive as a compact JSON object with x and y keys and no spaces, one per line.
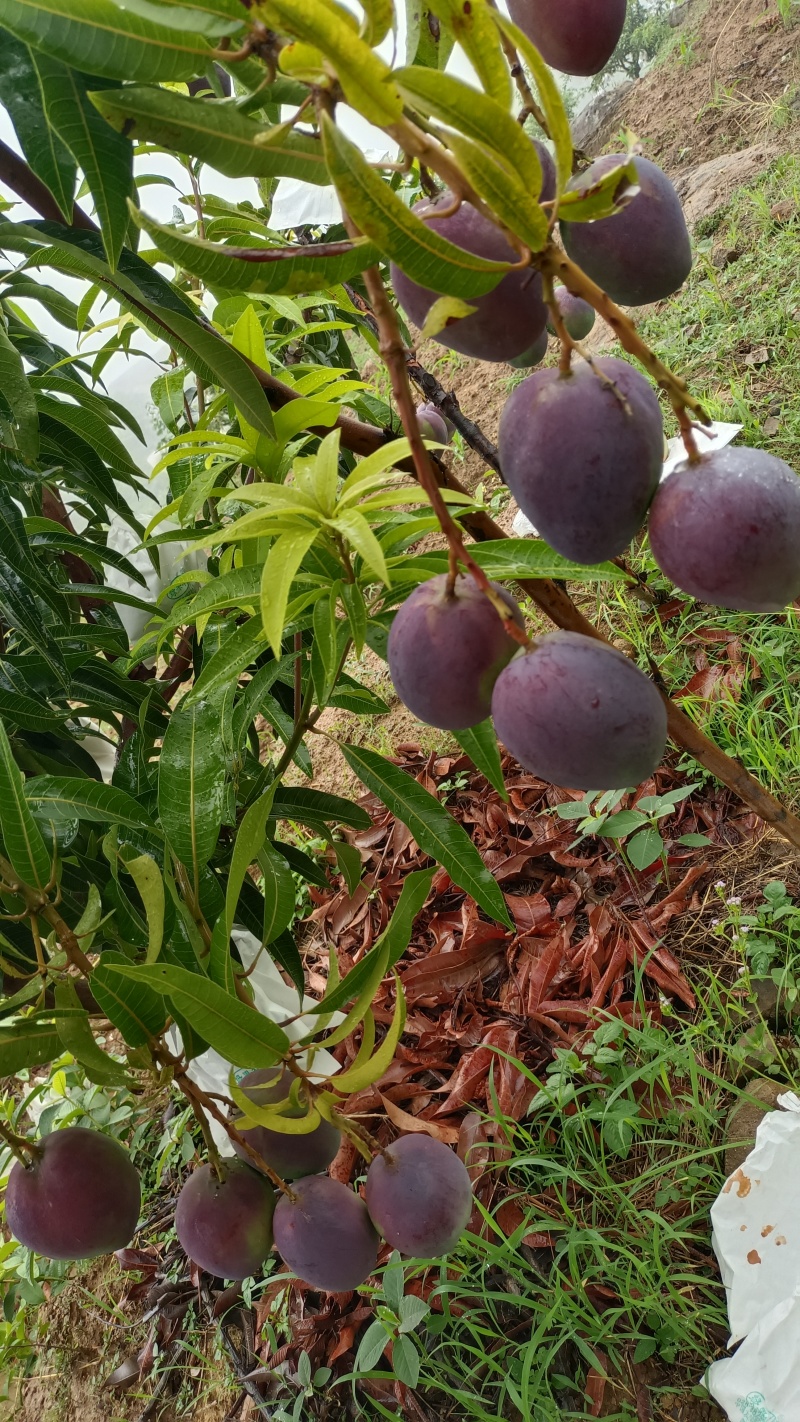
{"x":555,"y":263}
{"x":16,"y":174}
{"x":393,"y":352}
{"x":199,"y":1098}
{"x":25,"y":1151}
{"x":67,"y":939}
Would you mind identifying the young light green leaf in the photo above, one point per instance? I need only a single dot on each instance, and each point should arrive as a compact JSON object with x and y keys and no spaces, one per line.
{"x":280,"y":569}
{"x":191,"y":782}
{"x":477,"y":116}
{"x":611,"y":193}
{"x":44,"y":152}
{"x":377,"y":962}
{"x":135,"y":1010}
{"x":378,"y":20}
{"x":499,"y":186}
{"x":24,"y":846}
{"x":365,"y":78}
{"x":356,"y":609}
{"x":146,"y":876}
{"x":239,"y":1033}
{"x":100,"y":37}
{"x":480,"y":744}
{"x":434,"y":829}
{"x":76,"y":1037}
{"x":359,"y":535}
{"x":444,"y":312}
{"x":104,"y":157}
{"x":382,"y":216}
{"x":549,"y":93}
{"x":283,"y":1116}
{"x":473,"y":29}
{"x":356,"y":1078}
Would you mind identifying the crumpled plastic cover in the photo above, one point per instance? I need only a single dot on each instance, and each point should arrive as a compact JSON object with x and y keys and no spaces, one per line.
{"x":756,"y":1238}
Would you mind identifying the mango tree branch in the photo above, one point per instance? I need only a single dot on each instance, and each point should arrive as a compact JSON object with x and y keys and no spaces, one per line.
{"x":16,"y":175}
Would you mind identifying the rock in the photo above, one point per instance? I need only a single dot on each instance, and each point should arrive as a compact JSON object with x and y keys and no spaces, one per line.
{"x":589,"y":129}
{"x":746,"y":1117}
{"x":756,"y":1049}
{"x":771,"y":1002}
{"x":723,"y":257}
{"x":706,"y":188}
{"x":676,"y":16}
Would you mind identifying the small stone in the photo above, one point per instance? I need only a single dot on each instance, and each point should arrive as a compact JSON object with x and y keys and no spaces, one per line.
{"x":723,"y":257}
{"x":758,"y":357}
{"x":771,"y":426}
{"x":771,"y":1003}
{"x":783,"y":211}
{"x":746,"y":1117}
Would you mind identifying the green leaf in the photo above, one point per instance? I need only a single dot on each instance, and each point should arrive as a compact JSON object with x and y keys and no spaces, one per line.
{"x":372,"y":1347}
{"x":280,"y":570}
{"x":146,"y":876}
{"x":365,"y":79}
{"x":44,"y":152}
{"x":278,"y":891}
{"x":356,"y":609}
{"x":215,"y":132}
{"x":191,"y":782}
{"x":19,"y":395}
{"x":497,"y":183}
{"x":63,"y":797}
{"x":23,"y":842}
{"x":473,"y":29}
{"x":280,"y":1116}
{"x":76,"y":1037}
{"x":694,"y":841}
{"x":434,"y":829}
{"x":357,"y":1077}
{"x":645,"y":848}
{"x":250,"y":837}
{"x":611,"y":193}
{"x":444,"y":313}
{"x":480,"y":744}
{"x":383,"y":217}
{"x":621,"y":825}
{"x":549,"y":93}
{"x":317,"y":807}
{"x":509,"y":558}
{"x":27,"y":1044}
{"x":135,"y":1010}
{"x":412,"y":1310}
{"x":348,"y":861}
{"x":99,"y":37}
{"x":105,"y":158}
{"x":378,"y":20}
{"x":405,"y":1361}
{"x":359,"y":535}
{"x":239,"y":1033}
{"x":208,"y":352}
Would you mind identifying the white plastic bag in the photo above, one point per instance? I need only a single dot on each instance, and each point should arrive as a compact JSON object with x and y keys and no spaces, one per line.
{"x":756,"y":1238}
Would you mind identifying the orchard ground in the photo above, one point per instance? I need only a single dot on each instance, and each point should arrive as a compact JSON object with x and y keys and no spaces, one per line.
{"x":608,"y":1254}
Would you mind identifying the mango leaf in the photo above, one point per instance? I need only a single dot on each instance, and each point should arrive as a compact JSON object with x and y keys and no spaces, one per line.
{"x":191,"y":783}
{"x":44,"y":152}
{"x":442,"y":314}
{"x":280,"y":569}
{"x":99,"y":37}
{"x":26,"y":1044}
{"x":249,"y":840}
{"x":216,"y":133}
{"x":315,"y":807}
{"x":146,"y":876}
{"x":105,"y":158}
{"x":359,"y":535}
{"x":378,"y":20}
{"x":365,"y":78}
{"x":281,"y":1116}
{"x":17,"y":391}
{"x":497,"y":183}
{"x":76,"y":1037}
{"x":435,"y":831}
{"x":477,"y":116}
{"x":383,"y":217}
{"x":348,"y":861}
{"x":279,"y":893}
{"x":63,"y":797}
{"x":509,"y":558}
{"x":428,"y":43}
{"x":480,"y":744}
{"x":239,"y":1033}
{"x":24,"y":846}
{"x":611,"y":193}
{"x":359,"y":1076}
{"x":549,"y":93}
{"x":473,"y":29}
{"x":135,"y":1010}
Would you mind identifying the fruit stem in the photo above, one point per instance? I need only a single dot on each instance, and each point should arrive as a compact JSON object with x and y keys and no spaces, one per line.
{"x":393,"y":352}
{"x":25,"y":1151}
{"x":569,"y":344}
{"x":211,"y":1146}
{"x":199,"y":1098}
{"x":366,"y":1143}
{"x":555,"y":263}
